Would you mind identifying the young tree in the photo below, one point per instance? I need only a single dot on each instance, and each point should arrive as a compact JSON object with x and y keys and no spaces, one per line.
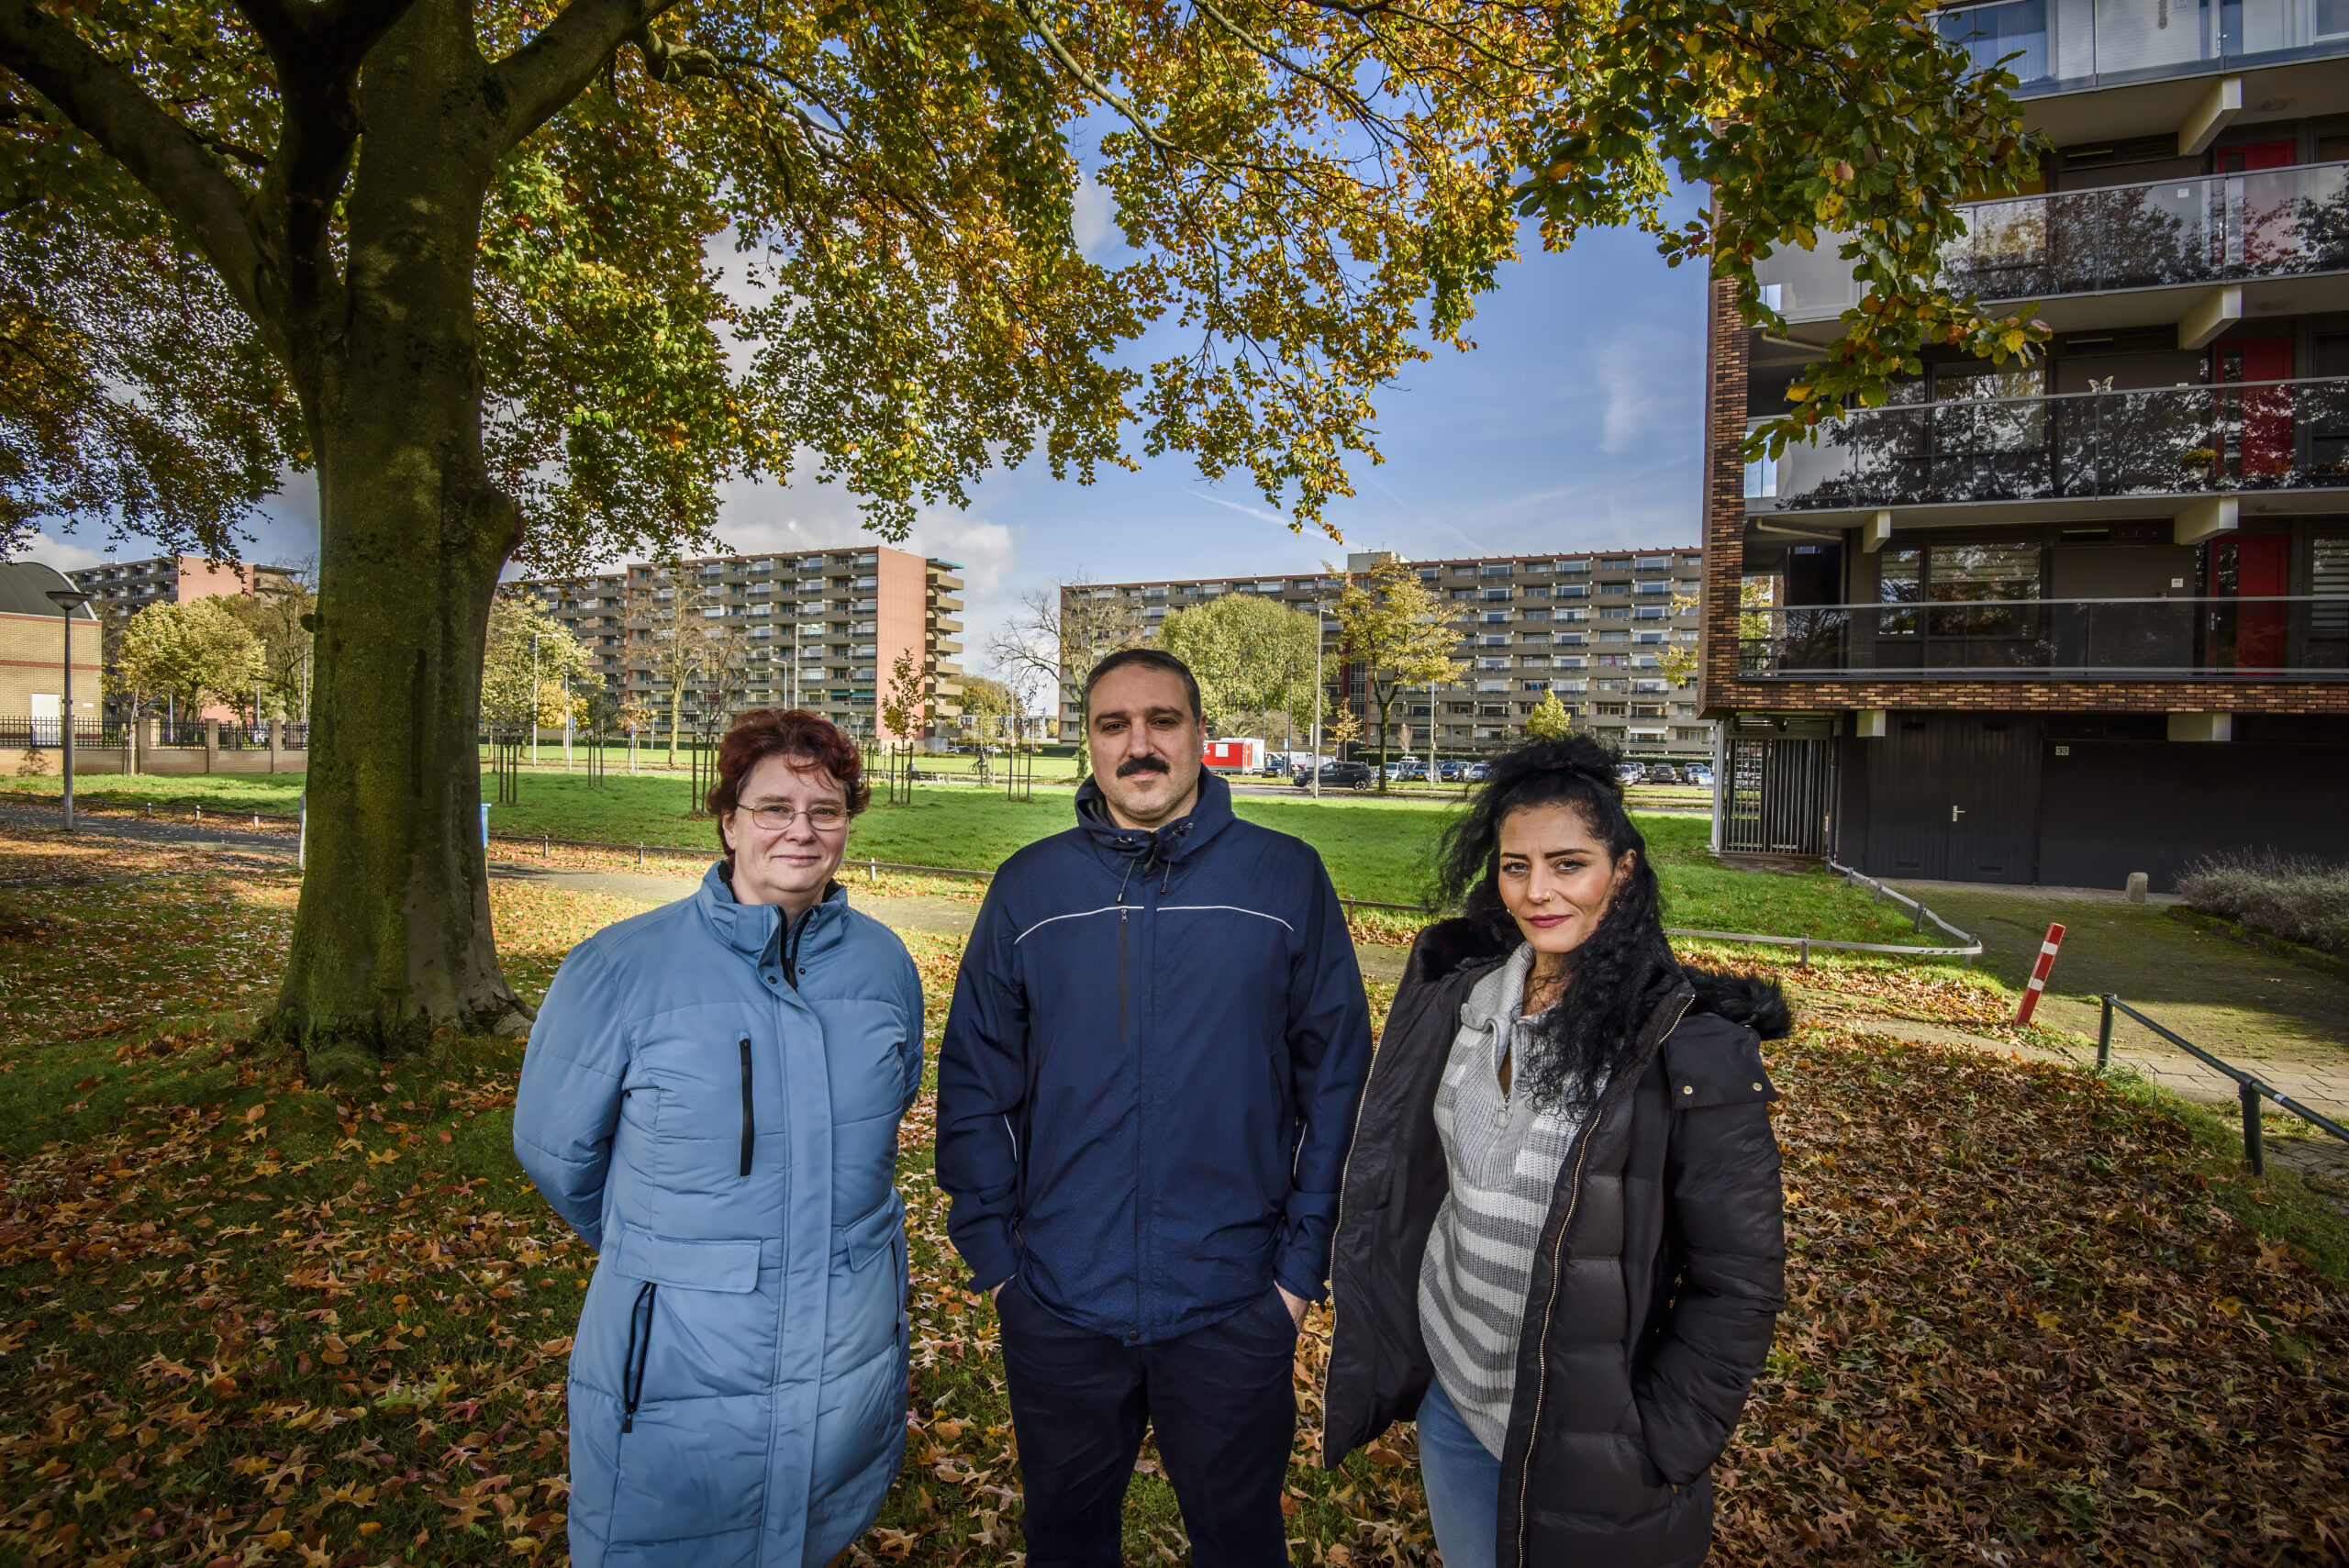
{"x":1400,"y":633}
{"x":906,"y":701}
{"x":987,"y":705}
{"x":276,"y":616}
{"x":529,"y":662}
{"x":458,"y":254}
{"x":1251,"y":656}
{"x":1060,"y":632}
{"x":678,"y":635}
{"x":1549,"y":720}
{"x":188,"y":651}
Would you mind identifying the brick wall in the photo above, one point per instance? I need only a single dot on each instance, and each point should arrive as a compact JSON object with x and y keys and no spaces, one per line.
{"x":1718,"y":689}
{"x":899,"y":622}
{"x":29,"y":647}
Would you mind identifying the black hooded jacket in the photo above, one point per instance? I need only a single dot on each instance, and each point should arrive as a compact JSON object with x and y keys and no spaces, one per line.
{"x":1656,"y":1281}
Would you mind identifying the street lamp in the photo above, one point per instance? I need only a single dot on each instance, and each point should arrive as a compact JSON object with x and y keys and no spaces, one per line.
{"x":1318,"y":697}
{"x":67,"y":601}
{"x":534,"y":699}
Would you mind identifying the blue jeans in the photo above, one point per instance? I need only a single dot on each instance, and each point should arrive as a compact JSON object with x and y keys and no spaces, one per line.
{"x":1463,"y":1479}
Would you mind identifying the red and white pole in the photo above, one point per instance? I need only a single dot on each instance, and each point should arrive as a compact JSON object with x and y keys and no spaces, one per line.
{"x":2039,"y":972}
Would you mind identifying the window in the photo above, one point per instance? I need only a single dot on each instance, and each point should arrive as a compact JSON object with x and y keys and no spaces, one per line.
{"x":1501,"y":594}
{"x":1535,"y":591}
{"x":1499,"y":569}
{"x":1494,"y":618}
{"x":1463,"y":592}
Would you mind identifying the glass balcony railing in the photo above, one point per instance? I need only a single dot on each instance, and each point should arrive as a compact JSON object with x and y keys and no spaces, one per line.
{"x":2300,"y":638}
{"x":2064,"y":45}
{"x":2226,"y":439}
{"x":2220,"y":228}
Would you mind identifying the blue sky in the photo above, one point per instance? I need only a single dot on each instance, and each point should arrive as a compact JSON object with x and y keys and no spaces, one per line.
{"x":1575,"y":424}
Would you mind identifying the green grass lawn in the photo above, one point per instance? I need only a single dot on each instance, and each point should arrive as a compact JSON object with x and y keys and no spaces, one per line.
{"x":1376,"y":849}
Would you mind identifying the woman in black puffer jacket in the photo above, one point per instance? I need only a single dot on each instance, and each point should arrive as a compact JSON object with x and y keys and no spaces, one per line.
{"x":1560,"y":1246}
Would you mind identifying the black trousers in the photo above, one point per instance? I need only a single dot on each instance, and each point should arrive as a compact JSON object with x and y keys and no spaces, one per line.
{"x":1221,"y":1400}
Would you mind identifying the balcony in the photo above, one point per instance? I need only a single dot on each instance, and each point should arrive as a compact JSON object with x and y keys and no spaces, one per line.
{"x":2239,"y":639}
{"x":2284,"y":440}
{"x":2285,"y":232}
{"x":2069,"y":46}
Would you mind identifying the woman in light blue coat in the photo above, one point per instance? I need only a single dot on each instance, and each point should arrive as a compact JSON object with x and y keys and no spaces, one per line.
{"x":711,"y":1098}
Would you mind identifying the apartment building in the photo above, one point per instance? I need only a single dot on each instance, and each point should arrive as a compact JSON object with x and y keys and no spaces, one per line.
{"x":2061,"y":621}
{"x":1595,"y":627}
{"x":823,"y":627}
{"x":119,"y":589}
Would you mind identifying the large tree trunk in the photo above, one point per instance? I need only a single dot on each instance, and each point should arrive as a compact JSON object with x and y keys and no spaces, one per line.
{"x":393,"y":938}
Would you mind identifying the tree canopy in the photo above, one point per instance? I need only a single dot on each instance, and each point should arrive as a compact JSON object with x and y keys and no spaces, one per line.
{"x":191,"y":651}
{"x":1311,"y":193}
{"x":1400,"y":633}
{"x":1253,"y":657}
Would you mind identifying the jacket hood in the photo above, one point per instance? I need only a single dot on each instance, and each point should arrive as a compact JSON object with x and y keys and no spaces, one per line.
{"x":1170,"y":845}
{"x":1450,"y":946}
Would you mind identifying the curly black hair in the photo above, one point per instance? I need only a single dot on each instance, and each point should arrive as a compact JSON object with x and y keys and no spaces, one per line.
{"x":1586,"y":1039}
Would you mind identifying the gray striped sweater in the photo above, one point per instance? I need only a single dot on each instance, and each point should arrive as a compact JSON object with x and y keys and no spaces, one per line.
{"x":1504,"y":1157}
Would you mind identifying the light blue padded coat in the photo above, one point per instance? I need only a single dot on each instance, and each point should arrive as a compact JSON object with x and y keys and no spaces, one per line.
{"x":712,"y":1103}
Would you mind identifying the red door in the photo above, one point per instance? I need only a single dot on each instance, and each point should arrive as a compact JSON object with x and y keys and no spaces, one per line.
{"x":2255,"y":571}
{"x":2255,"y":424}
{"x":2259,"y":155}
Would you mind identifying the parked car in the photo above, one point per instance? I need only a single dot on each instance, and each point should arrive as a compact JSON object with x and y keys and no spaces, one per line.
{"x":1274,"y":767}
{"x":1450,"y":771}
{"x":1410,"y":772}
{"x":1477,"y":772}
{"x":1663,"y":773}
{"x":1339,"y":776}
{"x":1698,"y":774}
{"x":1630,"y":772}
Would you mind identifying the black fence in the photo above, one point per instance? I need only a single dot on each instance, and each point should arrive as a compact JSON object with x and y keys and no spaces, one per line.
{"x":48,"y":734}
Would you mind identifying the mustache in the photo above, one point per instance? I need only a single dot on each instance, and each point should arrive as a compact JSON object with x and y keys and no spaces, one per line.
{"x":1134,"y":765}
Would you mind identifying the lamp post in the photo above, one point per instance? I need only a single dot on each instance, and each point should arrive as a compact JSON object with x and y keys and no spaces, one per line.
{"x":534,"y":699}
{"x":1319,"y":696}
{"x":67,"y":601}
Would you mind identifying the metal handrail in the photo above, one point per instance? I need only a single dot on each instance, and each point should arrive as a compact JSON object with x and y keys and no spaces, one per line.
{"x":2248,"y":1087}
{"x":1854,"y":878}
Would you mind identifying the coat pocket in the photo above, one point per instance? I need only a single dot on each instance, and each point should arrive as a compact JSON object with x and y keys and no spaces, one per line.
{"x":694,"y":1372}
{"x":868,"y":1286}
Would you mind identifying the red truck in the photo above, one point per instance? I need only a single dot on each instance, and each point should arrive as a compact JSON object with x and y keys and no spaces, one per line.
{"x":1235,"y":756}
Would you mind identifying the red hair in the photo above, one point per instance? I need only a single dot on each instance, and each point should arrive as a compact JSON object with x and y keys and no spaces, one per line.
{"x":809,"y":739}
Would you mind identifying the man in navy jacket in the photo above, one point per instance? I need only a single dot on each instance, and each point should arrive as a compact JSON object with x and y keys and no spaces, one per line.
{"x":1145,"y":1095}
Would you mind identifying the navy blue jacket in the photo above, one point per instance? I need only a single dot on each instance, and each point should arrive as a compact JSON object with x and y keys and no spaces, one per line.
{"x":1147,"y":1086}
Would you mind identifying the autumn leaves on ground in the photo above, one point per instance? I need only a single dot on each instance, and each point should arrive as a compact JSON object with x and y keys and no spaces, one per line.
{"x":245,"y":1322}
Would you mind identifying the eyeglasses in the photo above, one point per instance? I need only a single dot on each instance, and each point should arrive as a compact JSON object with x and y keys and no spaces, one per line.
{"x":775,"y":818}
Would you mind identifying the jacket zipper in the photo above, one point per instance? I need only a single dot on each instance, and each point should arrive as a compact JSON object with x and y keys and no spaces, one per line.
{"x":749,"y":1128}
{"x":1338,"y":1228}
{"x":1124,"y":1028}
{"x":640,"y":1346}
{"x":1557,"y":1272}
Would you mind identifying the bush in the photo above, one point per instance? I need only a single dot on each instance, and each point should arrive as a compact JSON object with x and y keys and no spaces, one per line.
{"x":2302,"y":901}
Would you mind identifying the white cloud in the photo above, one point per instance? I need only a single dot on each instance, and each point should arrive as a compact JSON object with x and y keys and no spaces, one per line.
{"x":1095,"y":217}
{"x":57,"y":553}
{"x":1651,"y":374}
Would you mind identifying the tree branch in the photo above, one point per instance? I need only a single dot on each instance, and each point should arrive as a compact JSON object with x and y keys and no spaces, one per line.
{"x":536,"y":81}
{"x":163,"y":155}
{"x":317,"y":50}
